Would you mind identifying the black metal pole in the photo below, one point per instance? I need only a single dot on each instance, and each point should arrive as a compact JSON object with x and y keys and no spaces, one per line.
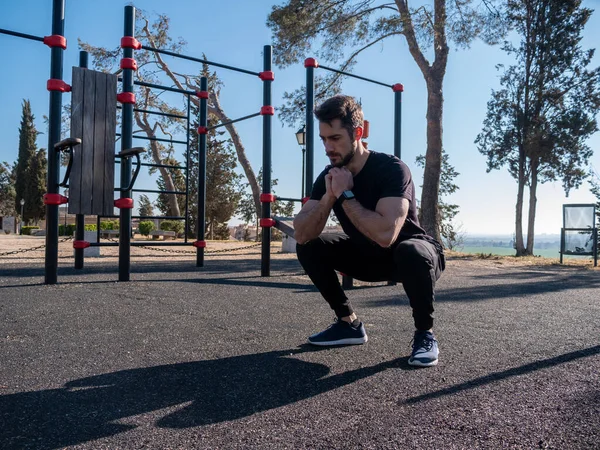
{"x":79,"y":218}
{"x":266,"y":181}
{"x":126,"y":143}
{"x":303,"y":169}
{"x":202,"y":174}
{"x":398,"y":88}
{"x":186,"y":222}
{"x":56,"y":72}
{"x":310,"y":65}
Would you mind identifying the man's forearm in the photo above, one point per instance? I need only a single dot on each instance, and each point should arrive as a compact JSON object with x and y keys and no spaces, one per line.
{"x":370,"y":223}
{"x":308,"y":225}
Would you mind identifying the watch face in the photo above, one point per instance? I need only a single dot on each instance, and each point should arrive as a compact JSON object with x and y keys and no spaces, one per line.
{"x":348,"y":195}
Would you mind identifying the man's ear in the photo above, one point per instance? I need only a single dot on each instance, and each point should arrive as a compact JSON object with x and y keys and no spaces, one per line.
{"x":358,"y":133}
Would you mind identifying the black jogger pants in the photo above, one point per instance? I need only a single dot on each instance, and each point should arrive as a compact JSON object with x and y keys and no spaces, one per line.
{"x":417,"y":263}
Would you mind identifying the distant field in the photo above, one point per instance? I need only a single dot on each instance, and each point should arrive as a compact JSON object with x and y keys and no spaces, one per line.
{"x":546,"y":252}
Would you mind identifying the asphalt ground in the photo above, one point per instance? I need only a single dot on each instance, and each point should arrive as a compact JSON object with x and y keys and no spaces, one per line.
{"x":214,"y":358}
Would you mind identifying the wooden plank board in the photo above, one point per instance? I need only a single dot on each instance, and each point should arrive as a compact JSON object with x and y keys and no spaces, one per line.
{"x":98,"y":146}
{"x":109,"y":144}
{"x":76,"y":131}
{"x":87,"y":144}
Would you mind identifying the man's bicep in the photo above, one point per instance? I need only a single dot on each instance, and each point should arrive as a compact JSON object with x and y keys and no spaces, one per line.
{"x":394,"y":209}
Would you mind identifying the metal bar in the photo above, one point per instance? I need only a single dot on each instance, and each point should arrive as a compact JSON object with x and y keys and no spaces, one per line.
{"x":233,"y":121}
{"x":166,"y":166}
{"x":157,"y":113}
{"x":164,"y":88}
{"x":265,"y":270}
{"x":203,"y":61}
{"x":156,"y":191}
{"x":80,"y":218}
{"x":147,"y":217}
{"x":284,"y":199}
{"x":187,"y":173}
{"x":22,"y":35}
{"x":354,"y":76}
{"x":143,"y":243}
{"x":126,"y":143}
{"x":398,"y":124}
{"x":310,"y":129}
{"x":53,"y":177}
{"x":146,"y":138}
{"x":201,"y":225}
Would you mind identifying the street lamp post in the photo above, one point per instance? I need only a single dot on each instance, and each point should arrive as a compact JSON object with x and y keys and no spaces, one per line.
{"x":301,"y":138}
{"x":22,"y":202}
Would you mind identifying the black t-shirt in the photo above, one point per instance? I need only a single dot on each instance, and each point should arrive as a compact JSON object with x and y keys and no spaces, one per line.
{"x":381,"y":176}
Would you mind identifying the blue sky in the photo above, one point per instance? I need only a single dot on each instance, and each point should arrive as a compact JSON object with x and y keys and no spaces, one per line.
{"x":234,"y":33}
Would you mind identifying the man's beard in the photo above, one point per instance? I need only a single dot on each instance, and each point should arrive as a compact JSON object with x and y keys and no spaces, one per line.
{"x":346,"y":160}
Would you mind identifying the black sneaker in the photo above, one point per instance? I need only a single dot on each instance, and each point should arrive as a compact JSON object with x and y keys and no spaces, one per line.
{"x":425,"y":350}
{"x":340,"y":333}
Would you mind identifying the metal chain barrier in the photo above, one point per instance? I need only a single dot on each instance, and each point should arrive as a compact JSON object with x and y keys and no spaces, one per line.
{"x":25,"y":250}
{"x":193,"y":252}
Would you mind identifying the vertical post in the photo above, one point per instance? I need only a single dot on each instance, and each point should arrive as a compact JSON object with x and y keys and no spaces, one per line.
{"x":56,"y":72}
{"x":79,"y":218}
{"x":266,"y":181}
{"x":303,"y":170}
{"x":202,"y":172}
{"x":186,"y":221}
{"x":398,"y":89}
{"x":126,"y":143}
{"x":310,"y":64}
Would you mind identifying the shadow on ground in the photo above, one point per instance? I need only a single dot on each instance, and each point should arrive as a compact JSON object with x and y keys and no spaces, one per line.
{"x":212,"y":391}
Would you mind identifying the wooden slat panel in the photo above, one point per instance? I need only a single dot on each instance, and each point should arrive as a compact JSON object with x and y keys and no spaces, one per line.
{"x":76,"y":131}
{"x":109,"y":143}
{"x":87,"y":146}
{"x":99,"y":149}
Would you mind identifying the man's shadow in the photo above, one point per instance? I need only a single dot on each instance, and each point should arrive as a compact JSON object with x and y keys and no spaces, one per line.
{"x":212,"y":391}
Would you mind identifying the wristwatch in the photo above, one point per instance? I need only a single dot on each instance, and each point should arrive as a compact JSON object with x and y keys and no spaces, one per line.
{"x":346,"y":195}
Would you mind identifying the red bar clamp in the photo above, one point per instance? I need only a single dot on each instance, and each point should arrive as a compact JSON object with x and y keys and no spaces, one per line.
{"x":202,"y":130}
{"x":398,"y":87}
{"x":80,"y":244}
{"x":267,"y":198}
{"x":128,"y":63}
{"x":202,"y":94}
{"x":200,"y":244}
{"x":305,"y":199}
{"x":124,"y":203}
{"x":57,"y":85}
{"x":126,"y":97}
{"x":267,"y":223}
{"x":267,"y":111}
{"x":267,"y":76}
{"x":130,"y":42}
{"x":55,"y":199}
{"x":56,"y":40}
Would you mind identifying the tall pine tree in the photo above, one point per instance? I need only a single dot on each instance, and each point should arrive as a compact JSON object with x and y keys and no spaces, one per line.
{"x":30,"y":170}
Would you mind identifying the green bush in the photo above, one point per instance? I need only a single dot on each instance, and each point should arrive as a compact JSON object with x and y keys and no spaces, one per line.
{"x":28,"y":229}
{"x":172,"y":225}
{"x":90,"y":227}
{"x":109,"y":225}
{"x":68,"y":231}
{"x":145,"y":227}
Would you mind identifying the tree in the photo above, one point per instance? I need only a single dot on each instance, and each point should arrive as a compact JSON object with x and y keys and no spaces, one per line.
{"x":30,"y":170}
{"x":330,"y":27}
{"x":7,"y":190}
{"x":538,"y":123}
{"x":451,"y":233}
{"x":146,"y":208}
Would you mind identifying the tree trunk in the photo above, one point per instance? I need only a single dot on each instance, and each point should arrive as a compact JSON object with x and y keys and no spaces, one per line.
{"x":215,"y":108}
{"x":532,"y":207}
{"x":520,"y":247}
{"x":430,"y":214}
{"x":165,"y":173}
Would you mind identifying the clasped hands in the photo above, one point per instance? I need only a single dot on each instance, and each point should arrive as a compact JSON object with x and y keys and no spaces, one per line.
{"x":338,"y":180}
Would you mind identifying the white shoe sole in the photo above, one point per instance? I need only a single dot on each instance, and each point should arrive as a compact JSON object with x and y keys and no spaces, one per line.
{"x":417,"y":363}
{"x":348,"y":341}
